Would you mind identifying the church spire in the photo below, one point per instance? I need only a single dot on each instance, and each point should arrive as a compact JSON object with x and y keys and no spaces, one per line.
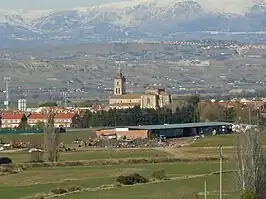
{"x":119,"y":82}
{"x":119,"y":71}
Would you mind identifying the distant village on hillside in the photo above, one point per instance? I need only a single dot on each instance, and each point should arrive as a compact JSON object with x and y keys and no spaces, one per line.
{"x":70,"y":117}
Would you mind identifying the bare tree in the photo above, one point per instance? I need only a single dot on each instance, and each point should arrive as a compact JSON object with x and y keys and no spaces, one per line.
{"x":51,"y":139}
{"x":251,"y":163}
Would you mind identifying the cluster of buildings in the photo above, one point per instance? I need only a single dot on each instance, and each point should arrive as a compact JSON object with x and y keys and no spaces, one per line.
{"x":254,"y":104}
{"x":152,"y":98}
{"x":13,"y":119}
{"x":67,"y":117}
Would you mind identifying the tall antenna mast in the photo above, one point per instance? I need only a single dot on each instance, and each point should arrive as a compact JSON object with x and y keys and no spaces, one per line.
{"x":7,"y":79}
{"x":65,"y":98}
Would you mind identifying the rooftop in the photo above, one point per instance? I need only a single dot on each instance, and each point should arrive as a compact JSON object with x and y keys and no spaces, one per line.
{"x":12,"y":116}
{"x":126,"y":96}
{"x":37,"y":116}
{"x":124,"y":104}
{"x":179,"y":126}
{"x":65,"y":115}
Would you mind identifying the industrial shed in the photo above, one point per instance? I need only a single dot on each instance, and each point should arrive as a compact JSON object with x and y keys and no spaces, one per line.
{"x":185,"y":129}
{"x":169,"y":130}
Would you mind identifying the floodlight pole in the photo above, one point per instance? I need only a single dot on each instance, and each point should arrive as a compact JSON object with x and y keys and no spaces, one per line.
{"x":205,"y":190}
{"x":221,"y":170}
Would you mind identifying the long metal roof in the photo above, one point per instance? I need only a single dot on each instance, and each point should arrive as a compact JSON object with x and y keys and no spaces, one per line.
{"x":179,"y":126}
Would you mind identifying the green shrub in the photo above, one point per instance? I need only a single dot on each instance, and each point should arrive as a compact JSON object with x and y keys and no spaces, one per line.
{"x":59,"y":191}
{"x":131,"y":179}
{"x":159,"y":175}
{"x":74,"y":188}
{"x":249,"y":194}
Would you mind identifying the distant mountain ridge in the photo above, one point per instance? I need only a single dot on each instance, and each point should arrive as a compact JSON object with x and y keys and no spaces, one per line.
{"x":136,"y":19}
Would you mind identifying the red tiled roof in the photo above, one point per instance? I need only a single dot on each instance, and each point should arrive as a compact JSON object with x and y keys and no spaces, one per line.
{"x":12,"y":116}
{"x":37,"y":116}
{"x":65,"y":115}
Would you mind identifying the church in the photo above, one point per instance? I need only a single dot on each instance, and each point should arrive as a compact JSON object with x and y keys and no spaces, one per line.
{"x":152,"y":98}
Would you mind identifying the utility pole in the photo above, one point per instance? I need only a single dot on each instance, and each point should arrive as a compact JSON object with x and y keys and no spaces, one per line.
{"x":249,"y":115}
{"x":7,"y":79}
{"x":205,"y":190}
{"x":258,"y":117}
{"x":221,"y":171}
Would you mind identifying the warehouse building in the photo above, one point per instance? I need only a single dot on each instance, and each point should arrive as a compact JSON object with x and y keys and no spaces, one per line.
{"x":169,"y":130}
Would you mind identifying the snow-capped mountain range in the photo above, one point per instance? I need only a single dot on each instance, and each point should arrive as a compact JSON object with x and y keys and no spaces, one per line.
{"x":134,"y":19}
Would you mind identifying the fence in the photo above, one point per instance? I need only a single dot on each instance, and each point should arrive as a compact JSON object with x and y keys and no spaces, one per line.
{"x":19,"y":131}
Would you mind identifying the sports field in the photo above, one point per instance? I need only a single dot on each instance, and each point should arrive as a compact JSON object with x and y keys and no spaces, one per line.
{"x":185,"y":179}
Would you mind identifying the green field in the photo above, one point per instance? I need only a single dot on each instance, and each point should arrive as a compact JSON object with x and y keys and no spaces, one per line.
{"x":176,"y":189}
{"x":20,"y":157}
{"x":41,"y":180}
{"x":215,"y":141}
{"x":67,"y":137}
{"x":185,"y":178}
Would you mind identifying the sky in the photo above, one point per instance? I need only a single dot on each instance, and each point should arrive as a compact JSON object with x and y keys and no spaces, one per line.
{"x":50,"y":4}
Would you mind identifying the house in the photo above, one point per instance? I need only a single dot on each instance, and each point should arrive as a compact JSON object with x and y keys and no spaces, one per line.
{"x":66,"y":120}
{"x":37,"y":118}
{"x":11,"y":120}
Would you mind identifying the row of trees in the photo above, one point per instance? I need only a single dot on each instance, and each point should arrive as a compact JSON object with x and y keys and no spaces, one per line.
{"x":137,"y":116}
{"x":239,"y":113}
{"x":190,"y":110}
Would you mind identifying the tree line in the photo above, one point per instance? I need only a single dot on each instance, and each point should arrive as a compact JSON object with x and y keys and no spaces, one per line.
{"x":137,"y":116}
{"x":186,"y":111}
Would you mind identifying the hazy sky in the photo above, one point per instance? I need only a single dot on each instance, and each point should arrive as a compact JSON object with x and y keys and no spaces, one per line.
{"x":49,"y":4}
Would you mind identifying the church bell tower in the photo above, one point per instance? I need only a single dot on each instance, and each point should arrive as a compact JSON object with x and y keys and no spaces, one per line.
{"x":119,"y":83}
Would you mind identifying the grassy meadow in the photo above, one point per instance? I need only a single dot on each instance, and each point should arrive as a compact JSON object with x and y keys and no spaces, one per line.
{"x":97,"y":154}
{"x":185,"y":178}
{"x":67,"y":137}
